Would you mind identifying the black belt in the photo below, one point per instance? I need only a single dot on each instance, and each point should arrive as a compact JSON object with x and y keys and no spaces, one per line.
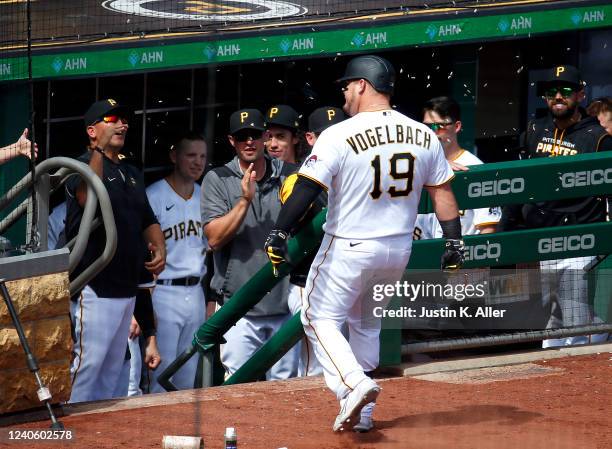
{"x":188,"y":281}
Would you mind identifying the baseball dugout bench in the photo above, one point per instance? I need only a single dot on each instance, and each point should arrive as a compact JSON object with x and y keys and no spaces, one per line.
{"x":482,"y":186}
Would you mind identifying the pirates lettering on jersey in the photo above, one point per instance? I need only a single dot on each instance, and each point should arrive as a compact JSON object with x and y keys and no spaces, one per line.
{"x":183,"y":230}
{"x":556,"y":147}
{"x":381,"y":135}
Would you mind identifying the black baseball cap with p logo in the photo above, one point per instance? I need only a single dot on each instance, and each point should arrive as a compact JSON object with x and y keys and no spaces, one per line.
{"x":246,"y":119}
{"x":103,"y":108}
{"x":283,"y":115}
{"x":323,"y":118}
{"x":561,"y":75}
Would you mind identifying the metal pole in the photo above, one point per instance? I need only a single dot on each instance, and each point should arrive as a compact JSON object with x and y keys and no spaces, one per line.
{"x":44,"y":395}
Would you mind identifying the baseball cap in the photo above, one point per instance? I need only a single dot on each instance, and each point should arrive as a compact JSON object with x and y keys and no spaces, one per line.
{"x":323,"y":118}
{"x":283,"y":115}
{"x":562,"y":74}
{"x":246,"y":119}
{"x":103,"y":108}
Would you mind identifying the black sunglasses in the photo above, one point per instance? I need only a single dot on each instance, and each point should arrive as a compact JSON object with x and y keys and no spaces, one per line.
{"x":247,"y":134}
{"x":436,"y":126}
{"x":565,"y":92}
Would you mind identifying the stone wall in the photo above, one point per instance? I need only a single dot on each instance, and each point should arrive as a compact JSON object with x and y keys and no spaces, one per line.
{"x":43,"y":306}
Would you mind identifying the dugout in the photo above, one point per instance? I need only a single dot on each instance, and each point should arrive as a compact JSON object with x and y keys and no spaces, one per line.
{"x":179,"y":73}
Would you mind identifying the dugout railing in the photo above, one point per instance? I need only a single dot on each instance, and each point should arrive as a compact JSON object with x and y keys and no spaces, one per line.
{"x":482,"y":186}
{"x":39,"y":261}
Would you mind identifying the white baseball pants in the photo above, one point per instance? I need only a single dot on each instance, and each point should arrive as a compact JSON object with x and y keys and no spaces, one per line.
{"x":101,"y":328}
{"x":180,"y":311}
{"x":248,"y":335}
{"x":308,"y":365}
{"x":339,"y":281}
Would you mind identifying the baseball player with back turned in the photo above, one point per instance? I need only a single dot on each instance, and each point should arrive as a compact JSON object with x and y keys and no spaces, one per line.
{"x":373,"y":166}
{"x":178,"y":298}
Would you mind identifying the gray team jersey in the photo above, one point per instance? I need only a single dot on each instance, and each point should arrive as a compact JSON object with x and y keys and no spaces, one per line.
{"x":241,"y":258}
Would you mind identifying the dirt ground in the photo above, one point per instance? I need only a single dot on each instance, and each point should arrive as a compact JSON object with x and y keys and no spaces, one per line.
{"x":556,"y":404}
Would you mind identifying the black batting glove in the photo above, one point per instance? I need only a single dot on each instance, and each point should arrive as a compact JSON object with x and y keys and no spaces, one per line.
{"x":276,"y":248}
{"x":453,"y":256}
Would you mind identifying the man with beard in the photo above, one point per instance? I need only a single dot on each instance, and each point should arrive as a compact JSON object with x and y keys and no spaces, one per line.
{"x":566,"y":131}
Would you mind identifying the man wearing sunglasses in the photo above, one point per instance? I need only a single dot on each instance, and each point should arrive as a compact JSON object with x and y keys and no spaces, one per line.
{"x":566,"y":131}
{"x":239,"y":205}
{"x":101,"y":313}
{"x":443,"y":116}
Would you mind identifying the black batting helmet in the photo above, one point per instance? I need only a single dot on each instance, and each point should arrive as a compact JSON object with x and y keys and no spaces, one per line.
{"x":376,"y":70}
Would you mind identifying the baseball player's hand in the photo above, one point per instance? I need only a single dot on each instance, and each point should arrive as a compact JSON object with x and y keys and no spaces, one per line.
{"x":158,"y":261}
{"x":248,"y":183}
{"x":152,"y":357}
{"x":276,"y":248}
{"x":134,"y":329}
{"x":453,"y":258}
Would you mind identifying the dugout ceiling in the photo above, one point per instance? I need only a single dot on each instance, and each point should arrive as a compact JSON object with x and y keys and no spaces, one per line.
{"x":315,"y":36}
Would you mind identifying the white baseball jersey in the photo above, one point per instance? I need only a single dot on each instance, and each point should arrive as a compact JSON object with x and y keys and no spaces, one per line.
{"x":427,"y":226}
{"x":181,"y":223}
{"x":374,"y":166}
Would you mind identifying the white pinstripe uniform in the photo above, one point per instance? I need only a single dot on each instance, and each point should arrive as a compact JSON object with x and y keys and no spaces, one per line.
{"x":427,"y":226}
{"x":374,"y":166}
{"x":179,"y":309}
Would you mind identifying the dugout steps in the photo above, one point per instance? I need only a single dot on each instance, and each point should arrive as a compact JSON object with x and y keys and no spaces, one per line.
{"x":423,"y":367}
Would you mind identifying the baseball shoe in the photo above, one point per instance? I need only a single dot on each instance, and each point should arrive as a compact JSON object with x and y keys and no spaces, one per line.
{"x":365,"y":424}
{"x":350,"y":407}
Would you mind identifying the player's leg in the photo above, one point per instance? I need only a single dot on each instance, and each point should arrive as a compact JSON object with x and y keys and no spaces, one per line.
{"x":287,"y":366}
{"x":364,"y":327}
{"x":574,"y":298}
{"x":122,"y":388}
{"x":242,"y":340}
{"x":165,"y":304}
{"x":115,"y":357}
{"x":97,"y":321}
{"x":549,"y":272}
{"x":334,"y":284}
{"x":294,"y":301}
{"x":135,"y":367}
{"x":191,"y":308}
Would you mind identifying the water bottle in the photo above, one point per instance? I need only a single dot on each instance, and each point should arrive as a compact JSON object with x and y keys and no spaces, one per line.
{"x":231,"y":439}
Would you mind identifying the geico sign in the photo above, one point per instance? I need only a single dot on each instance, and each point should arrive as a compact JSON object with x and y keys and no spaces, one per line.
{"x":586,"y":178}
{"x":484,"y":251}
{"x":569,"y":243}
{"x":496,"y":187}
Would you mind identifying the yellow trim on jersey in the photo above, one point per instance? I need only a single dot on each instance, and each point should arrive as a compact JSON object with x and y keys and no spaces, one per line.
{"x":314,"y":180}
{"x":458,"y":156}
{"x":486,"y":223}
{"x":441,"y":184}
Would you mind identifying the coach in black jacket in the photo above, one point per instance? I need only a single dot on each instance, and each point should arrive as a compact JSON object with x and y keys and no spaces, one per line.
{"x":566,"y":131}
